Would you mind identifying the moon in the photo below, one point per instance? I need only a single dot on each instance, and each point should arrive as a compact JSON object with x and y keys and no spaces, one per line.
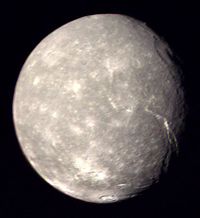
{"x":98,"y":108}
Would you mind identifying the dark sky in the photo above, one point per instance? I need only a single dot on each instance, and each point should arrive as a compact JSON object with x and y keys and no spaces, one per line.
{"x":25,"y":194}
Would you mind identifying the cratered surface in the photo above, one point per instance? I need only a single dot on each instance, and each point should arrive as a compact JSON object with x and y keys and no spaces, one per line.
{"x":98,"y":107}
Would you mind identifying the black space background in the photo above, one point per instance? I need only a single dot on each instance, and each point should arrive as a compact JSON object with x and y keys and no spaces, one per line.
{"x":23,"y":193}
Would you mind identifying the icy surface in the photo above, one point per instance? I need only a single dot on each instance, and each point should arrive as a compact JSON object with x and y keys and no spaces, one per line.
{"x":95,"y":108}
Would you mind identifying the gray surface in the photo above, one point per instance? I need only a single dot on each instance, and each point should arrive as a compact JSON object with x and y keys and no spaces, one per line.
{"x":97,"y":108}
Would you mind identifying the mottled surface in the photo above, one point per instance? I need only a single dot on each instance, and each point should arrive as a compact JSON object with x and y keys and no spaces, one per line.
{"x":97,"y":108}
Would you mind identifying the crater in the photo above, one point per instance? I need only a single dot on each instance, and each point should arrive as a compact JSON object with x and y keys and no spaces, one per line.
{"x":108,"y":198}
